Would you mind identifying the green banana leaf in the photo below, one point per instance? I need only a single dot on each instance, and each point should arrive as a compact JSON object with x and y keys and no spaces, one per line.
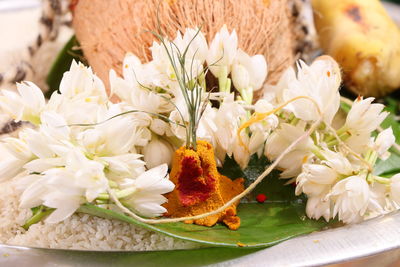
{"x":262,"y":224}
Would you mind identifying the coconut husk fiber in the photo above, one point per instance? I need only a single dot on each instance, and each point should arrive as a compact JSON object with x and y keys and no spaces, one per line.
{"x":108,"y":29}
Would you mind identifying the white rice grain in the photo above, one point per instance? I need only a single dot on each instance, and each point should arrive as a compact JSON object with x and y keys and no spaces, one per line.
{"x":80,"y":231}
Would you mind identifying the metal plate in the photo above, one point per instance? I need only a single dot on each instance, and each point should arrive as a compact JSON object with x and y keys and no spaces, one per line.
{"x":336,"y":245}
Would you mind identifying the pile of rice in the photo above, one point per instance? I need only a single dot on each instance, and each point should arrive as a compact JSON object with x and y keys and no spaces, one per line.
{"x":80,"y":231}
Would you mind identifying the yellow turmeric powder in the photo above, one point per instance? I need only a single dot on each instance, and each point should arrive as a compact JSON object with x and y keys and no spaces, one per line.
{"x":200,"y":188}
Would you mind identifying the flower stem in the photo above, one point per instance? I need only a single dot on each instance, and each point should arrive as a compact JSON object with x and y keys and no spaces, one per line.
{"x":38,"y":216}
{"x":343,"y":136}
{"x":120,"y":194}
{"x":317,"y":152}
{"x":247,"y":95}
{"x":224,"y":82}
{"x":112,"y":184}
{"x":381,"y":180}
{"x":339,"y":132}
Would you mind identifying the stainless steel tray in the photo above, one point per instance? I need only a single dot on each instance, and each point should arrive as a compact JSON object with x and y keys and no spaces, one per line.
{"x":346,"y":243}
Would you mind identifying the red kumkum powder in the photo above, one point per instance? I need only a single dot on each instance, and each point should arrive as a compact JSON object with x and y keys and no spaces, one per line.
{"x":200,"y":188}
{"x":193,"y":185}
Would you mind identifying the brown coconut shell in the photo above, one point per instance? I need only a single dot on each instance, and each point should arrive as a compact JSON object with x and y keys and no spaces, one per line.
{"x":108,"y":29}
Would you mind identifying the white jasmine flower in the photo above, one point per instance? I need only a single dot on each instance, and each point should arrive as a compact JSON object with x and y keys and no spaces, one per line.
{"x":15,"y":153}
{"x":124,"y":165}
{"x":157,"y":152}
{"x":378,"y":201}
{"x":240,"y":77}
{"x":181,"y":117}
{"x":38,"y":143}
{"x":43,"y":164}
{"x":280,"y":139}
{"x":248,"y":72}
{"x":261,"y":130}
{"x":321,"y":82}
{"x":62,"y":210}
{"x":148,"y":101}
{"x":256,"y":142}
{"x":351,"y":198}
{"x":26,"y":105}
{"x":274,"y":93}
{"x":241,"y":153}
{"x":315,"y":179}
{"x":82,"y":97}
{"x":338,"y":162}
{"x":52,"y":136}
{"x":132,"y":70}
{"x":159,"y":126}
{"x":11,"y":165}
{"x":65,"y":189}
{"x":263,"y":106}
{"x":196,"y":44}
{"x":80,"y":82}
{"x":132,"y":91}
{"x":17,"y":147}
{"x":114,"y":137}
{"x":207,"y":127}
{"x":55,"y":126}
{"x":359,"y":142}
{"x":222,"y":52}
{"x":150,"y":187}
{"x":383,"y":142}
{"x":178,"y":130}
{"x":77,"y":110}
{"x":89,"y":174}
{"x":364,"y":117}
{"x":318,"y":207}
{"x":228,"y":119}
{"x":55,"y":189}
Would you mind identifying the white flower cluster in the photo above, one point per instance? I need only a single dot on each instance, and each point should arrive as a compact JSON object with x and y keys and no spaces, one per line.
{"x":82,"y":145}
{"x":75,"y":152}
{"x":153,"y":87}
{"x":334,"y":168}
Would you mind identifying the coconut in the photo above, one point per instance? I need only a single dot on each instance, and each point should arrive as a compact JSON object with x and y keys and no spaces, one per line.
{"x":108,"y":29}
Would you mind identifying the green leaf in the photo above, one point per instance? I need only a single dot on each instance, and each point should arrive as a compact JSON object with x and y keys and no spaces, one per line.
{"x":273,"y":187}
{"x":262,"y":225}
{"x":231,"y":169}
{"x":392,"y":106}
{"x":62,"y":64}
{"x":388,"y":167}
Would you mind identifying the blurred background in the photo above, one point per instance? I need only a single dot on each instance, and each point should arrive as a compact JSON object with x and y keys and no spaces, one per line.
{"x":19,"y":28}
